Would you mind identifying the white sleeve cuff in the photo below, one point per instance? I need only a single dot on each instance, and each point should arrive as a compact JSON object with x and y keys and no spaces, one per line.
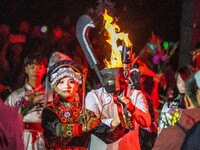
{"x":107,"y":121}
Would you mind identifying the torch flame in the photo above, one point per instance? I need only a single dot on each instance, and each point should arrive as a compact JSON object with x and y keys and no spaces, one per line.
{"x":114,"y":34}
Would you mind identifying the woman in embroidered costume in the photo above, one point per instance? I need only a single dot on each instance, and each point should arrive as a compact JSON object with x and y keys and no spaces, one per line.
{"x":66,"y":124}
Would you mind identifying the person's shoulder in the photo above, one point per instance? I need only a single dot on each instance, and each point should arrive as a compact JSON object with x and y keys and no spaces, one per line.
{"x":136,"y":92}
{"x":11,"y":122}
{"x":18,"y":91}
{"x":50,"y":107}
{"x":49,"y":111}
{"x":194,"y":112}
{"x":96,"y":91}
{"x":15,"y":95}
{"x":192,"y":138}
{"x":8,"y":111}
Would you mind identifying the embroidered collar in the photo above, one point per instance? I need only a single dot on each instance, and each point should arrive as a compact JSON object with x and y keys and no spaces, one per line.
{"x":29,"y":89}
{"x":74,"y":104}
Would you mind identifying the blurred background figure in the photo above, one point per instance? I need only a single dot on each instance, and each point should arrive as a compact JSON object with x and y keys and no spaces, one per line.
{"x":184,"y":123}
{"x":11,"y":128}
{"x":177,"y":101}
{"x":12,"y":55}
{"x":147,"y":135}
{"x":4,"y":92}
{"x":24,"y":27}
{"x":29,"y":100}
{"x":196,"y":59}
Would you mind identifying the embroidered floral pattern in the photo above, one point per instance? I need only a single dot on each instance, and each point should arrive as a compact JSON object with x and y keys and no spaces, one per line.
{"x":63,"y":119}
{"x":67,"y":111}
{"x":67,"y":114}
{"x":70,"y":116}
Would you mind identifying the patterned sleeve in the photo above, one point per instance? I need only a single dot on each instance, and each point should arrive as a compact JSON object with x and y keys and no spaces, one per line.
{"x":53,"y":126}
{"x":109,"y":135}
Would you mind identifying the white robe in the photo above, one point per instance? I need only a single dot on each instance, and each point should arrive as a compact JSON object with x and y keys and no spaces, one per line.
{"x":33,"y":116}
{"x":99,"y":101}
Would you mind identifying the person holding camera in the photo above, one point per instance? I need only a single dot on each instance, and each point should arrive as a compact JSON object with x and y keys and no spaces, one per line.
{"x":181,"y":75}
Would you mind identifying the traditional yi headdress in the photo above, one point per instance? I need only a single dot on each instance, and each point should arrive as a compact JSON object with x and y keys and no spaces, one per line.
{"x":62,"y":69}
{"x":56,"y":57}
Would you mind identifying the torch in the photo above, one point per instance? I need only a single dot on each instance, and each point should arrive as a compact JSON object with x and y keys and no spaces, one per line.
{"x":126,"y":61}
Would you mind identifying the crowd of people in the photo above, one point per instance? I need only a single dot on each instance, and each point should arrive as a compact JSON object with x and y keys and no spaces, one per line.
{"x":25,"y":38}
{"x":45,"y":79}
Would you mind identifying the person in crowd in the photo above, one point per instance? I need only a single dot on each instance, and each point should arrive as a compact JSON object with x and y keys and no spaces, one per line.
{"x":11,"y":128}
{"x":5,"y":31}
{"x":147,"y":135}
{"x":102,"y":102}
{"x":23,"y":27}
{"x":196,"y":59}
{"x":11,"y":54}
{"x":181,"y":75}
{"x":66,"y":122}
{"x":149,"y":77}
{"x":30,"y":100}
{"x":182,"y":119}
{"x":4,"y":92}
{"x":151,"y":92}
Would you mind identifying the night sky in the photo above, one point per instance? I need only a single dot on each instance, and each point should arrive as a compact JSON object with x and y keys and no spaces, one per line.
{"x":137,"y":17}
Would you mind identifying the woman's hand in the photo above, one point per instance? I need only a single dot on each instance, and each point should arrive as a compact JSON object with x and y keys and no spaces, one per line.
{"x":91,"y":124}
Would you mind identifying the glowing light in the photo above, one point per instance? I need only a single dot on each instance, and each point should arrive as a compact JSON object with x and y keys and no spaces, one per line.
{"x":114,"y":35}
{"x":166,"y":45}
{"x":151,"y":46}
{"x":44,"y":29}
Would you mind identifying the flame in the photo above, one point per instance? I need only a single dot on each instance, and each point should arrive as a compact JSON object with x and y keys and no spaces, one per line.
{"x":114,"y":35}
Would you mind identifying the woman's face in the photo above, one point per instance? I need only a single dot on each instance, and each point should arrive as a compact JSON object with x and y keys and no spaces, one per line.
{"x":180,"y":84}
{"x":67,"y":87}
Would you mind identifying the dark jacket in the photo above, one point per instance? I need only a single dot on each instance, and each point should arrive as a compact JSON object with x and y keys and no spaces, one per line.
{"x":172,"y":138}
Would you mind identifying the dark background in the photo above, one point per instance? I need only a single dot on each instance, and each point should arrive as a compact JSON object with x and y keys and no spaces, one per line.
{"x":137,"y":17}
